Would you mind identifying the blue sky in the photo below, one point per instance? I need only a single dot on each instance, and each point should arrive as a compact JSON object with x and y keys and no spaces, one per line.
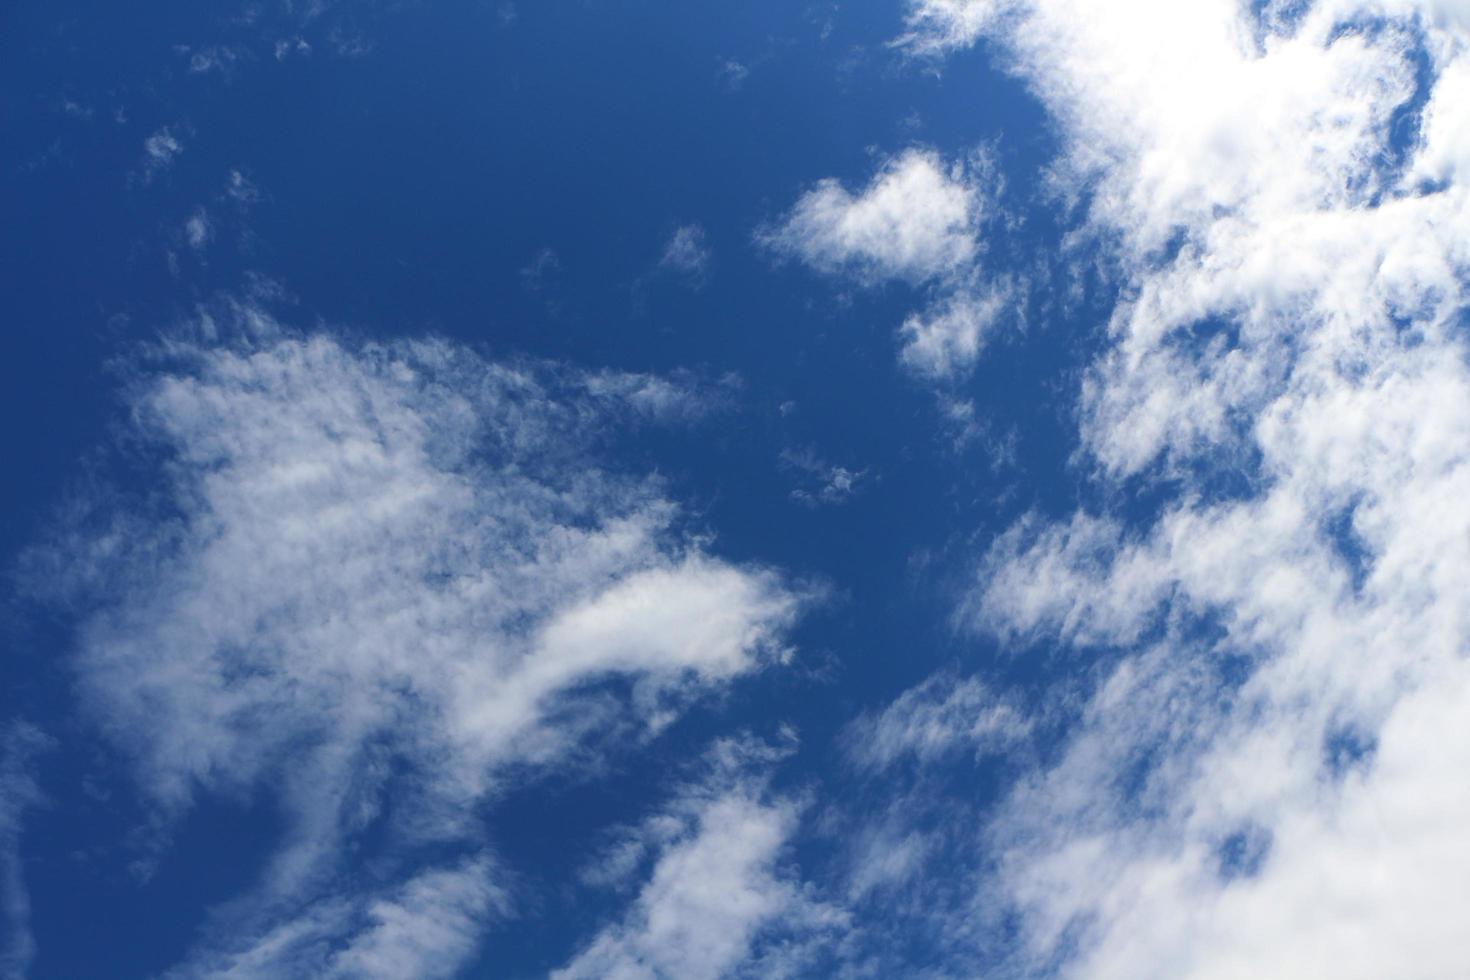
{"x":941,"y":488}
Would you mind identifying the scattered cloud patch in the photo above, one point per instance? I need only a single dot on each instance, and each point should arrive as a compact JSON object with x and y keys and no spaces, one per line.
{"x":288,"y":47}
{"x":544,"y":266}
{"x":214,"y":58}
{"x":241,"y":189}
{"x":914,"y":221}
{"x":20,"y":745}
{"x":824,"y":483}
{"x":930,"y":721}
{"x":920,"y":221}
{"x":428,"y":927}
{"x":946,"y":340}
{"x":687,"y":253}
{"x":720,"y":898}
{"x":349,"y":43}
{"x":372,"y":558}
{"x":198,"y":229}
{"x":733,"y":74}
{"x":681,"y":397}
{"x":77,"y":110}
{"x":160,"y":150}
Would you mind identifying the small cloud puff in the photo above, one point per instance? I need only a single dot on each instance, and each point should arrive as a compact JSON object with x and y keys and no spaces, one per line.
{"x":159,"y":152}
{"x":947,"y":339}
{"x":918,"y":221}
{"x":198,"y":229}
{"x":825,"y":483}
{"x":733,"y":74}
{"x":686,"y":253}
{"x":915,"y":221}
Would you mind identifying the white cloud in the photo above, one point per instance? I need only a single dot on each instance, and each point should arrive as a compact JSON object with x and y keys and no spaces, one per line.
{"x":348,"y":43}
{"x":364,"y":558}
{"x":733,"y":73}
{"x":428,"y":928}
{"x":938,"y":25}
{"x":825,"y":483}
{"x":20,"y":743}
{"x":886,"y":855}
{"x":198,"y":229}
{"x":1265,"y":781}
{"x":718,"y":900}
{"x":708,"y":894}
{"x":240,"y":188}
{"x":931,"y":720}
{"x":159,"y":152}
{"x":679,"y":397}
{"x":947,"y":340}
{"x":686,"y":252}
{"x":212,"y":58}
{"x":914,"y":221}
{"x":919,"y":220}
{"x":543,"y":267}
{"x":288,"y":46}
{"x":1445,"y":154}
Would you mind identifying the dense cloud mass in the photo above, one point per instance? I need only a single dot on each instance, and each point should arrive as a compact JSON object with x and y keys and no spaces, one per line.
{"x":1265,"y":779}
{"x":386,"y":565}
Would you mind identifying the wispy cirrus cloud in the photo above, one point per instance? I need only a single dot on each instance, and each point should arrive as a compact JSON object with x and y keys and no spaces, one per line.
{"x":943,"y":714}
{"x":719,"y":899}
{"x":687,"y":253}
{"x":823,"y":482}
{"x":20,"y":745}
{"x":374,"y":581}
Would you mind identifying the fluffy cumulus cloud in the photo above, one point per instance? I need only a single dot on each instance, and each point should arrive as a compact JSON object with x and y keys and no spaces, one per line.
{"x":718,"y":899}
{"x":914,"y":221}
{"x":919,"y":220}
{"x":1264,"y":775}
{"x":375,"y":580}
{"x":948,"y":338}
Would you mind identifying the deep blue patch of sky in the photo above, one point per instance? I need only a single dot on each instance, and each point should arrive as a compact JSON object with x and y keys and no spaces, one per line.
{"x":511,"y":183}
